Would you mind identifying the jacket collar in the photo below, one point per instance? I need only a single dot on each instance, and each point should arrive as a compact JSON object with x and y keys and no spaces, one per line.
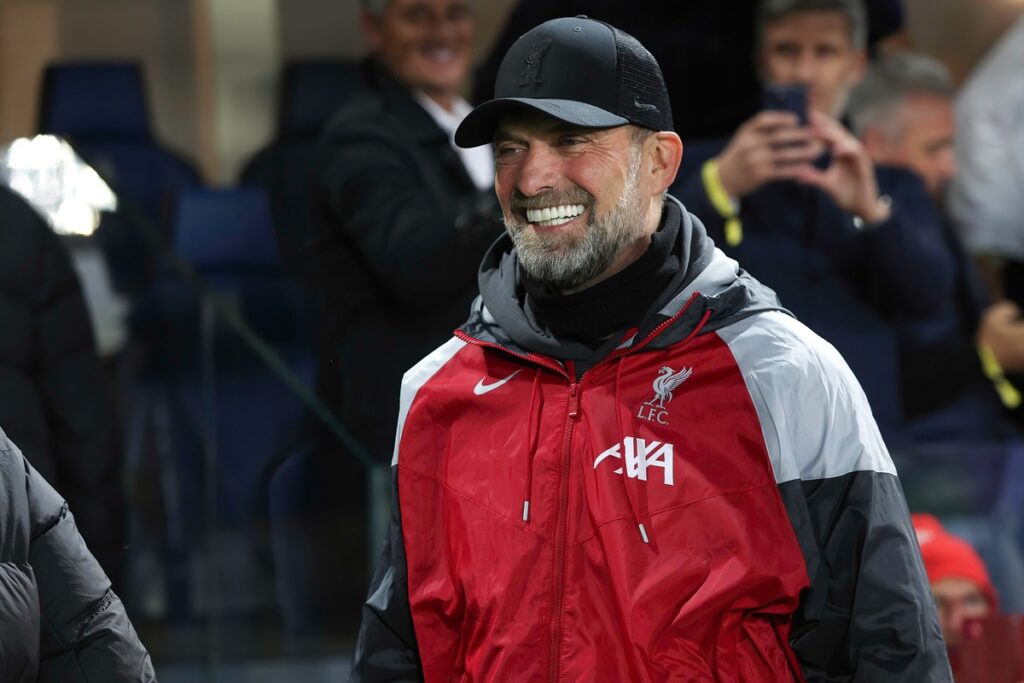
{"x":715,"y":279}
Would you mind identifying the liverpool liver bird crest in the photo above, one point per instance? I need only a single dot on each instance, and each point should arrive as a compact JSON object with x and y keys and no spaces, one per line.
{"x":530,"y":75}
{"x":667,"y":381}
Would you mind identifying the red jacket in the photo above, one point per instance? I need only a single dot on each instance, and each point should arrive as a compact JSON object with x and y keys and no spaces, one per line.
{"x":711,"y":501}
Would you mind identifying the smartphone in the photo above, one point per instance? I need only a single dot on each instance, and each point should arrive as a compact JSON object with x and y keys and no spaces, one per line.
{"x":791,"y":98}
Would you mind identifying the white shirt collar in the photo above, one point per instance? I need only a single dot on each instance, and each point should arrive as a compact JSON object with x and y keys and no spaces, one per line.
{"x":478,"y":161}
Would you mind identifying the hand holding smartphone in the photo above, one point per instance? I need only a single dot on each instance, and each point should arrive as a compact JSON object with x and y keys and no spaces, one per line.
{"x":789,"y":98}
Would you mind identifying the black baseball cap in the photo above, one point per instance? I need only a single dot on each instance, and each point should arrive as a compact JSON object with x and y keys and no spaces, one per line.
{"x":579,"y":70}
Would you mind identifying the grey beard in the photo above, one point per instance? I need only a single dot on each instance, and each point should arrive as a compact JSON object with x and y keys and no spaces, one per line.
{"x":567,"y":263}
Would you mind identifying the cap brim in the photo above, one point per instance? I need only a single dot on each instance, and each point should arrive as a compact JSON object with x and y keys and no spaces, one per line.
{"x":479,"y":126}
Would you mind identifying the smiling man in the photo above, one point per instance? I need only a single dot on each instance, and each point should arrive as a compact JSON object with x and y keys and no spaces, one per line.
{"x":630,"y":464}
{"x":404,"y":215}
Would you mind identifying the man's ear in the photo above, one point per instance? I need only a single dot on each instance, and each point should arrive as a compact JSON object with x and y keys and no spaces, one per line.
{"x":370,"y":26}
{"x":665,"y":152}
{"x":858,"y":67}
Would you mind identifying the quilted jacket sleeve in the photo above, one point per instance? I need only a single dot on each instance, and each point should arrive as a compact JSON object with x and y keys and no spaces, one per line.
{"x":86,"y":635}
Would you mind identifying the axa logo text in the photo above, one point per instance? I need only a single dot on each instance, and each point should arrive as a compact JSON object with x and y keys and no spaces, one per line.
{"x":640,"y":454}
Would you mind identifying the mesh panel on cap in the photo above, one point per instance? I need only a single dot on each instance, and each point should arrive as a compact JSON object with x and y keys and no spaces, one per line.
{"x":640,"y":80}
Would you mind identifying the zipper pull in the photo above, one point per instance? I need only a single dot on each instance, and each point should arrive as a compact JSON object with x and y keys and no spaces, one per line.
{"x":574,"y":400}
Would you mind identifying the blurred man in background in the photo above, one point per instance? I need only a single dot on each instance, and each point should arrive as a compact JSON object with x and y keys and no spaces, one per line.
{"x":903,"y":114}
{"x":793,"y":196}
{"x":408,"y":215}
{"x":402,"y":220}
{"x":959,"y":580}
{"x":982,"y":44}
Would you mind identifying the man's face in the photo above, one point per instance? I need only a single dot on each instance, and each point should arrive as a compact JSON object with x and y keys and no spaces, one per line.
{"x":813,"y":49}
{"x":921,"y":139}
{"x":571,"y":197}
{"x":425,"y":43}
{"x":956,"y":600}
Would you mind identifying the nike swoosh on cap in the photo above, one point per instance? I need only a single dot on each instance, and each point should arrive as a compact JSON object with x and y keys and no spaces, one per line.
{"x":480,"y":389}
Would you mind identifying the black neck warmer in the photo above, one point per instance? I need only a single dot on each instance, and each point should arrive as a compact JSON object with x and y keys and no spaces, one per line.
{"x":592,"y":315}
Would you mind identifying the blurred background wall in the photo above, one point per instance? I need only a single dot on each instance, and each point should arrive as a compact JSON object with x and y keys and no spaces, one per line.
{"x":212,"y":65}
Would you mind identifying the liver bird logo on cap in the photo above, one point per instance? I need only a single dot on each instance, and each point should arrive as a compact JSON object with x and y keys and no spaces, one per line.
{"x":534,"y":59}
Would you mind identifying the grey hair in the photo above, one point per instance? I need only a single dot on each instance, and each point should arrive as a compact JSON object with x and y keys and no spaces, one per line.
{"x":769,"y":11}
{"x":638,"y":136}
{"x":889,"y":82}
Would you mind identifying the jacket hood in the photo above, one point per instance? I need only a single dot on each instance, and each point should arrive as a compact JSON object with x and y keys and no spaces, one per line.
{"x":714,"y":281}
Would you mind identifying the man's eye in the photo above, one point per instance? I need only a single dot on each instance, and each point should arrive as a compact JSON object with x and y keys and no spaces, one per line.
{"x":507,"y":150}
{"x":571,"y":141}
{"x":417,"y":14}
{"x":459,"y":13}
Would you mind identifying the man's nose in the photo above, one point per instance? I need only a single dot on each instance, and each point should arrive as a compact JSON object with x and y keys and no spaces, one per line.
{"x":538,"y":171}
{"x":806,"y":67}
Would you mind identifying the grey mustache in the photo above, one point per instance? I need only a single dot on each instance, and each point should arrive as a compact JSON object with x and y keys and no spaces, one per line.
{"x":521,"y":203}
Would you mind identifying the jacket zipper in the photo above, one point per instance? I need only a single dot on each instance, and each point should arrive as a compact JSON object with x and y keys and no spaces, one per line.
{"x":561,"y":531}
{"x":572,"y":415}
{"x":536,"y":360}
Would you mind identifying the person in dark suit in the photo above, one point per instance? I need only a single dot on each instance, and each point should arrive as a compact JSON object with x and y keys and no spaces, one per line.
{"x":406,"y":216}
{"x":400,"y":221}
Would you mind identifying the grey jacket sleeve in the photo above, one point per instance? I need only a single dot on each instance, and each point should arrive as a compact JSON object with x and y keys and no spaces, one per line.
{"x":867,"y":615}
{"x":386,"y":646}
{"x":86,"y":635}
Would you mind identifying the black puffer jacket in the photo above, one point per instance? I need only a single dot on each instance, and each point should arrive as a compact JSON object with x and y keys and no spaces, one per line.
{"x":52,"y":391}
{"x":59,"y":620}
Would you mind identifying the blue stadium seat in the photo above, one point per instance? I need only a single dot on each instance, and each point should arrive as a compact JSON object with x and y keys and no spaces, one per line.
{"x":101,"y":108}
{"x":311,"y":91}
{"x":220,"y":230}
{"x":227,"y":237}
{"x":95,"y":101}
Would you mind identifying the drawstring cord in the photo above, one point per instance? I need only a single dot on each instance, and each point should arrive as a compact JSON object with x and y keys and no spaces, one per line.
{"x":703,"y":321}
{"x":530,"y":443}
{"x":638,"y":504}
{"x":634,"y":506}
